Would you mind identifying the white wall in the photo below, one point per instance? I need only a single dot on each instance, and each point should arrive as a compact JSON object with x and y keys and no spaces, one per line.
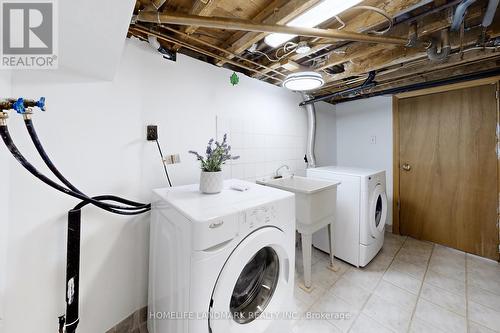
{"x":95,"y":132}
{"x":326,"y":134}
{"x":358,"y":122}
{"x":5,"y":90}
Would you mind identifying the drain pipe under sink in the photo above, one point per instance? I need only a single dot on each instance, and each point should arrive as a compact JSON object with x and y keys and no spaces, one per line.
{"x":311,"y":132}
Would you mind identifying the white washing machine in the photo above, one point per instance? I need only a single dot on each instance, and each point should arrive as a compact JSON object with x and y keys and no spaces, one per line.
{"x":361,"y":213}
{"x":221,"y":263}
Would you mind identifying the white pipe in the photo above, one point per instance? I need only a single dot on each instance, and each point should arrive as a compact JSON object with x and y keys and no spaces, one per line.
{"x":311,"y":131}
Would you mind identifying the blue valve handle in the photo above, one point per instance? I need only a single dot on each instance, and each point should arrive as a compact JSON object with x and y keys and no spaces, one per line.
{"x":41,"y":103}
{"x":18,"y":106}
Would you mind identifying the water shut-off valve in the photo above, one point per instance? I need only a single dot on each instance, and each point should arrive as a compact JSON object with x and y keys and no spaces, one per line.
{"x":21,"y":105}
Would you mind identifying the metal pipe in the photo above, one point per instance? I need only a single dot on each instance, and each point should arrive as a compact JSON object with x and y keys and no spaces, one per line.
{"x":430,"y":84}
{"x":437,"y":56}
{"x":490,"y":13}
{"x":369,"y":83}
{"x":245,"y":25}
{"x":201,"y":41}
{"x":197,"y":49}
{"x":311,"y":132}
{"x":460,"y":14}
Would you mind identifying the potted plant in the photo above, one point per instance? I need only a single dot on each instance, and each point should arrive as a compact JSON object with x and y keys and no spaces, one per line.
{"x":211,"y":180}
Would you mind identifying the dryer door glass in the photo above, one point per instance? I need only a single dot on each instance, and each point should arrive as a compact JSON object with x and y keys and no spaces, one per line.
{"x":255,"y":286}
{"x":378,"y":211}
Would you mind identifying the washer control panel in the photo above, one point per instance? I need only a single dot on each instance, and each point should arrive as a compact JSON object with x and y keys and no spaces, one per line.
{"x":259,"y":216}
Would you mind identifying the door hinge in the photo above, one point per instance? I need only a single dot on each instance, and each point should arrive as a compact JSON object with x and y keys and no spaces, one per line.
{"x":498,"y":248}
{"x":497,"y":94}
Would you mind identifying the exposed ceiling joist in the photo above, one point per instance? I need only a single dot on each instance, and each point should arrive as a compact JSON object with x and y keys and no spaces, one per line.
{"x":363,"y":22}
{"x":200,"y":7}
{"x":278,"y":12}
{"x":245,"y":25}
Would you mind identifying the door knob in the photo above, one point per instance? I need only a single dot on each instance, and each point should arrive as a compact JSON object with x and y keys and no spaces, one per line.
{"x":406,"y":167}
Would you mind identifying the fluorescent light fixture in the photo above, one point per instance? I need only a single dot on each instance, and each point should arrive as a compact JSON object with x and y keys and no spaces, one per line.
{"x":303,"y":81}
{"x":313,"y":17}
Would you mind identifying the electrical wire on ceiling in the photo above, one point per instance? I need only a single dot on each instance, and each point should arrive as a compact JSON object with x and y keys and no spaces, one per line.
{"x":378,"y":11}
{"x":287,"y":49}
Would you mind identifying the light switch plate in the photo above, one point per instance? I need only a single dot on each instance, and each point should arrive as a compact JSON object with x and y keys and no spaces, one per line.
{"x":373,"y":140}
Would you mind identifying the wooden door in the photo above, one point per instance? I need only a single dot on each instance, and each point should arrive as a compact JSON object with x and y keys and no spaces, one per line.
{"x":448,"y":169}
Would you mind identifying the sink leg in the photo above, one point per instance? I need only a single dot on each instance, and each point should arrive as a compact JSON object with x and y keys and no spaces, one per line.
{"x":332,"y":266}
{"x":306,"y":256}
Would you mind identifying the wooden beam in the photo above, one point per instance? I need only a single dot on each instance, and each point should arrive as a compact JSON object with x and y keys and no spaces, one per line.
{"x":364,"y":22}
{"x":278,"y":12}
{"x":377,"y":58}
{"x":147,"y":32}
{"x":245,"y":25}
{"x":200,"y":7}
{"x":203,"y":8}
{"x":215,"y":47}
{"x":428,"y":26}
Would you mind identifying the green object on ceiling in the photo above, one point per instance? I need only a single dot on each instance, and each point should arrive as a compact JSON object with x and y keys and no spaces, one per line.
{"x":234,"y":79}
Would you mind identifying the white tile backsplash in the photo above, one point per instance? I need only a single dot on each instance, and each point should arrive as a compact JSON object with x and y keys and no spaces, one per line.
{"x":263,"y":147}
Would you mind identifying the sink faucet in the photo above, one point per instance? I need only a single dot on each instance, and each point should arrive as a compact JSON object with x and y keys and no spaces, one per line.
{"x":277,"y":172}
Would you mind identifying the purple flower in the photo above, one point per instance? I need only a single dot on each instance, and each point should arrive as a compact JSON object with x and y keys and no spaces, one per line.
{"x":215,"y":157}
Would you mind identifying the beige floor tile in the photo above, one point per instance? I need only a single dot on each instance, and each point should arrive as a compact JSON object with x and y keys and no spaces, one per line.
{"x":411,"y":257}
{"x":390,"y":249}
{"x":476,"y":328}
{"x":322,"y":275}
{"x":341,"y":314}
{"x":415,"y":271}
{"x":451,"y":269}
{"x":440,"y":318}
{"x":448,"y":300}
{"x":418,"y":245}
{"x":448,"y":253}
{"x":484,"y":316}
{"x":350,"y":292}
{"x":314,"y":326}
{"x":420,"y":326}
{"x":396,"y":295}
{"x":402,"y":280}
{"x":381,"y":262}
{"x":365,"y":324}
{"x":388,"y":314}
{"x":476,"y":262}
{"x":483,"y":297}
{"x":307,"y":299}
{"x":364,"y":278}
{"x":486,"y":278}
{"x":444,"y":282}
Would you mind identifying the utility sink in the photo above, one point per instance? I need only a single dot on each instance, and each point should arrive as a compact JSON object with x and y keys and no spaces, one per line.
{"x":314,"y":199}
{"x":315,"y":207}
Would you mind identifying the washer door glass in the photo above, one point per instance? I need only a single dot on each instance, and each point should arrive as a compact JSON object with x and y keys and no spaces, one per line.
{"x":255,"y":286}
{"x":378,"y":211}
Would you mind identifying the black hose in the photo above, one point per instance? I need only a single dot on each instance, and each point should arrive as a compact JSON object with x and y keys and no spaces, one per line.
{"x":4,"y":132}
{"x":39,"y":147}
{"x":163,"y":161}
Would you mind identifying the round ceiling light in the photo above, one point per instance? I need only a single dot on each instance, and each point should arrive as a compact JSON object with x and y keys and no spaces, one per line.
{"x":302,"y":48}
{"x":303,"y":81}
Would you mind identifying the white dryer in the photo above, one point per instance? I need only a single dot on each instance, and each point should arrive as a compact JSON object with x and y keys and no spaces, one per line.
{"x":361,"y":213}
{"x":221,"y":263}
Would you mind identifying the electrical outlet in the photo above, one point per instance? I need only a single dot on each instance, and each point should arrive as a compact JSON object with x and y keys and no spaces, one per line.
{"x":152,"y":133}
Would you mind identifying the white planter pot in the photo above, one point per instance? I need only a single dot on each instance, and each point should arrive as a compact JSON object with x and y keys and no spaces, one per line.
{"x":211,"y":182}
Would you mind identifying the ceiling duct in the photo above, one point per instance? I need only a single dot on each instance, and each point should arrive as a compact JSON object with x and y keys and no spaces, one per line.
{"x":311,"y":132}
